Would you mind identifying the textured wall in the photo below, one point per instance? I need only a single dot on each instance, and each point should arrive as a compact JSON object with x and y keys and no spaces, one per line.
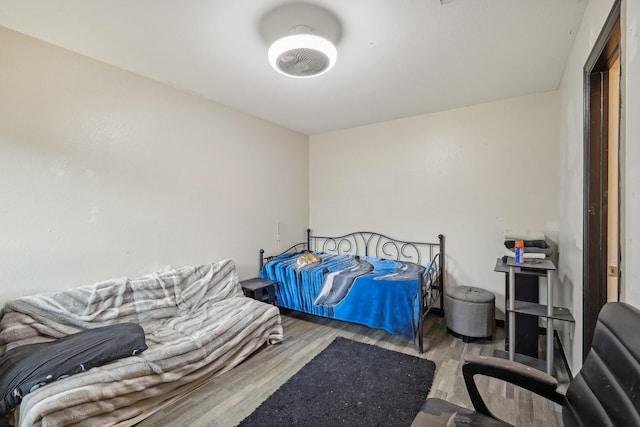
{"x":571,"y":165}
{"x":630,"y":135}
{"x":468,"y":173}
{"x":104,"y":173}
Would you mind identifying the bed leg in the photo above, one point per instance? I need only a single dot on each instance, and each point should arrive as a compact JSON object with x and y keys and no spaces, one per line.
{"x":422,"y":282}
{"x":442,"y":272}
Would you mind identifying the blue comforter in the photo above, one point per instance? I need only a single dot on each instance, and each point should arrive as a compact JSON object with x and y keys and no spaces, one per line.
{"x":369,"y":291}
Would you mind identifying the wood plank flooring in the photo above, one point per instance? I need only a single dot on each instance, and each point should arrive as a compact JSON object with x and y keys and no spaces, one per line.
{"x":230,"y":397}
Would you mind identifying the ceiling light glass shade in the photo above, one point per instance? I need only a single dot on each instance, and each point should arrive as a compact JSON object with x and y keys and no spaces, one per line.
{"x":302,"y":55}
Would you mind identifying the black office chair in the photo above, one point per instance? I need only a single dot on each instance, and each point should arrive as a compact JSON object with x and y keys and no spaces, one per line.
{"x":606,"y":391}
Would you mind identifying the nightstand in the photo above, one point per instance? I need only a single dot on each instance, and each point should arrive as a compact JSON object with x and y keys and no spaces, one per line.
{"x":260,"y":289}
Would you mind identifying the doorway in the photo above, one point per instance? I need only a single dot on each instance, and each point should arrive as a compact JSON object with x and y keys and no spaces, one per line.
{"x":601,"y":259}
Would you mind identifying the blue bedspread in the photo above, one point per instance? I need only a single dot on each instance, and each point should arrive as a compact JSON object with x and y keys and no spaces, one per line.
{"x":370,"y":291}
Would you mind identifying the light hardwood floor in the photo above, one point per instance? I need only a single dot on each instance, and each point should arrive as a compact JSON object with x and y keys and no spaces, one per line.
{"x":230,"y":397}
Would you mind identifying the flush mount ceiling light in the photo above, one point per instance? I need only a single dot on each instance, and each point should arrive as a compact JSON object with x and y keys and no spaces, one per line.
{"x":302,"y":55}
{"x":301,"y":39}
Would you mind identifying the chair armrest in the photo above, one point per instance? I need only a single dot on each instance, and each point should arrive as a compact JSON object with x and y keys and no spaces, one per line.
{"x":513,"y":372}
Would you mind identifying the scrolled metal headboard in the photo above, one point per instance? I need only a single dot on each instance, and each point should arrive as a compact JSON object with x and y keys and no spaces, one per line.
{"x":369,"y":243}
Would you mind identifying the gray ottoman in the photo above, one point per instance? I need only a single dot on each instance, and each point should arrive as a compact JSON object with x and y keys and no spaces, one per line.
{"x":469,"y":312}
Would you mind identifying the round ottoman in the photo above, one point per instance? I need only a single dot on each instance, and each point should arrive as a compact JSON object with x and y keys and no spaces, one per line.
{"x":469,"y":312}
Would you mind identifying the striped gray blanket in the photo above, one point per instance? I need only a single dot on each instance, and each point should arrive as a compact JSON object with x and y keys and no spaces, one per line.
{"x":197,"y":324}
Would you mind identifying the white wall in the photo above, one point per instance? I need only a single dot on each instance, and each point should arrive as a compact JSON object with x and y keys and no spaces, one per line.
{"x":571,"y":168}
{"x":468,"y":173}
{"x":104,"y":174}
{"x":630,"y":151}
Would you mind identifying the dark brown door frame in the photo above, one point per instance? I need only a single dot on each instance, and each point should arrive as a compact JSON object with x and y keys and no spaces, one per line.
{"x":596,"y":109}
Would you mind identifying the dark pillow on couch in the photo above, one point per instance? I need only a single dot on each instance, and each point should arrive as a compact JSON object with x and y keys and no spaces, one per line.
{"x":27,"y":367}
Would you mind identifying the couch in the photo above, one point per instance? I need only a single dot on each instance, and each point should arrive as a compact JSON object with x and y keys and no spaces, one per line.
{"x":197,"y":324}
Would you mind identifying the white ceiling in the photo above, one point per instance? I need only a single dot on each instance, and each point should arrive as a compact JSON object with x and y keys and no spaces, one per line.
{"x":396,"y":58}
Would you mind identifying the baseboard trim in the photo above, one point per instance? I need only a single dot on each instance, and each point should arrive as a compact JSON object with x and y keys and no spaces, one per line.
{"x":564,"y":357}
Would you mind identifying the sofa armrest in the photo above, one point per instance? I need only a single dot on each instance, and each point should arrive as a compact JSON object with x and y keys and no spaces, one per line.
{"x":513,"y":372}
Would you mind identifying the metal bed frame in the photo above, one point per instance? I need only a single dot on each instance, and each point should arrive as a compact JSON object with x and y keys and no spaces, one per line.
{"x":368,"y":243}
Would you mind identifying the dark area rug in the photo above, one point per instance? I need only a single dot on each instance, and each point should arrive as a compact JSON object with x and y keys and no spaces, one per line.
{"x":349,"y":384}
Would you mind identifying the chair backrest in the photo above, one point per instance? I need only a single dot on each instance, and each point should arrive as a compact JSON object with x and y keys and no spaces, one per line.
{"x":606,"y":392}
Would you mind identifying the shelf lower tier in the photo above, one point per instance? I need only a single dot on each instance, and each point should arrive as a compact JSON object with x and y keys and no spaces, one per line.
{"x":540,"y":310}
